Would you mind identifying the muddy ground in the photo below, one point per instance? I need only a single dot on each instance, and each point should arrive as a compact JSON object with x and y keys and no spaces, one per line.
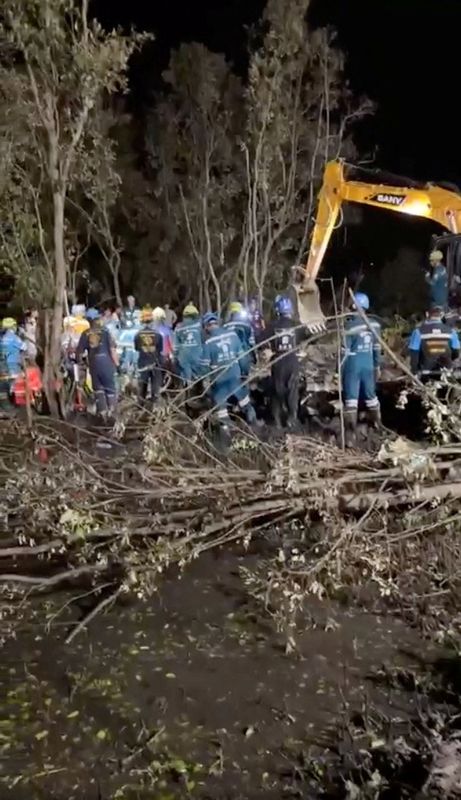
{"x":192,"y":695}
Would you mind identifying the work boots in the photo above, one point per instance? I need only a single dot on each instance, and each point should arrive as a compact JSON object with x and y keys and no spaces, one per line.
{"x":374,"y":417}
{"x":350,"y":425}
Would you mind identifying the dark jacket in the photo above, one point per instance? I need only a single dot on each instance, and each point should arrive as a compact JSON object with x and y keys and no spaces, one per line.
{"x":149,"y":344}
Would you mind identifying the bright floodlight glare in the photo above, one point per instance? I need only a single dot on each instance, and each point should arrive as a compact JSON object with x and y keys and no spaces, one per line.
{"x":417,"y":208}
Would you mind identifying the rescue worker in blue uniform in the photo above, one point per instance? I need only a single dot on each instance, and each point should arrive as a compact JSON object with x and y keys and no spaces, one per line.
{"x":360,"y":364}
{"x":437,"y":280}
{"x":128,"y":356}
{"x":12,"y":351}
{"x":433,"y":346}
{"x":239,"y":322}
{"x":188,"y":345}
{"x":220,"y":363}
{"x":148,"y":344}
{"x":284,"y":336}
{"x":102,"y":362}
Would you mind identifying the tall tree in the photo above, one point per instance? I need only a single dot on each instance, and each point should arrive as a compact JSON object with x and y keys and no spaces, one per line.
{"x":299,"y":112}
{"x":61,"y":64}
{"x":194,"y":145}
{"x":237,"y":167}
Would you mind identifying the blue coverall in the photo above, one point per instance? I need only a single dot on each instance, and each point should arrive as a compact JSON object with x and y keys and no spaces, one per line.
{"x":361,"y":357}
{"x":433,"y":346}
{"x":187,"y":348}
{"x":98,"y":343}
{"x":243,"y":329}
{"x":437,"y":281}
{"x":127,"y":352}
{"x":11,"y":350}
{"x":220,"y":362}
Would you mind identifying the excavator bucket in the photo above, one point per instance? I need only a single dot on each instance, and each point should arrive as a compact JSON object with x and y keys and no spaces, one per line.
{"x":307,"y":303}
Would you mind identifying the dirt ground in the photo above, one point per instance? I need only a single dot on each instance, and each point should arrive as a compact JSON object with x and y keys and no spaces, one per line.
{"x":191,"y":695}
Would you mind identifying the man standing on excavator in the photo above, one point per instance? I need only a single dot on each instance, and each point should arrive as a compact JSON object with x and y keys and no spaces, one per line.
{"x":437,"y":281}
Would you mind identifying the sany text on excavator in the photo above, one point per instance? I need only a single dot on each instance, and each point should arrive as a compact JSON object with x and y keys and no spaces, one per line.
{"x":430,"y":201}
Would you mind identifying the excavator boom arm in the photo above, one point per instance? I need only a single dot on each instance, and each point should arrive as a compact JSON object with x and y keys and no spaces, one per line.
{"x":430,"y":202}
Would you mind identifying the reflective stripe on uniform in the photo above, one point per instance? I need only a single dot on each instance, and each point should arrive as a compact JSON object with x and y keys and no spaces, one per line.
{"x":373,"y":403}
{"x":438,"y":335}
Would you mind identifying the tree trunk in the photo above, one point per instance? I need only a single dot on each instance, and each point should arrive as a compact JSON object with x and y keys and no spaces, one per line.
{"x":52,"y":376}
{"x":117,"y":289}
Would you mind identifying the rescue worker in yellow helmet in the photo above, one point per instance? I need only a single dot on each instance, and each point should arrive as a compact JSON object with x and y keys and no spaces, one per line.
{"x":148,"y":344}
{"x":188,"y":345}
{"x":239,"y":322}
{"x":12,"y":350}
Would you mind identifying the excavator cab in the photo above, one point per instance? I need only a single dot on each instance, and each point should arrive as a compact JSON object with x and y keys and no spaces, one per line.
{"x":344,"y":183}
{"x":450,"y":245}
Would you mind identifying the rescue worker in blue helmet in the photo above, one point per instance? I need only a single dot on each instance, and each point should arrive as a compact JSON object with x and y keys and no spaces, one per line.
{"x":100,"y":347}
{"x":433,"y":346}
{"x":239,"y":322}
{"x":221,"y":366}
{"x":283,"y":335}
{"x":437,"y":281}
{"x":148,"y":344}
{"x":360,"y":364}
{"x":188,"y":345}
{"x":12,"y":352}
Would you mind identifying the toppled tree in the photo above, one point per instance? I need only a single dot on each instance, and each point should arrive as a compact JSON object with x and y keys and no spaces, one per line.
{"x":238,"y":167}
{"x":60,"y":64}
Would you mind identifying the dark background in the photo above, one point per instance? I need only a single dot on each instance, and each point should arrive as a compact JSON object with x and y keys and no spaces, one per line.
{"x":403,"y":54}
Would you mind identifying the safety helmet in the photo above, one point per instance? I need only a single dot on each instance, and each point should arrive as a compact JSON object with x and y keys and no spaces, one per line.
{"x":146,"y":314}
{"x":436,"y":256}
{"x":361,"y":300}
{"x":283,"y":306}
{"x":92,"y":314}
{"x":235,"y":308}
{"x":158,"y":314}
{"x":8,"y":323}
{"x":190,"y":311}
{"x":210,"y":318}
{"x":78,"y":310}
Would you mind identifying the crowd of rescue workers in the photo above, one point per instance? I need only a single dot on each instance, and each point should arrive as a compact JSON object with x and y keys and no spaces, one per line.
{"x":145,"y":345}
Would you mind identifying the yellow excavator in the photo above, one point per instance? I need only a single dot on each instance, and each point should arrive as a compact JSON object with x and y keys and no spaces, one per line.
{"x":436,"y":202}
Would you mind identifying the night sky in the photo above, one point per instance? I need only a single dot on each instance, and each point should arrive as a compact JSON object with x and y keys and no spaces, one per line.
{"x":403,"y":54}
